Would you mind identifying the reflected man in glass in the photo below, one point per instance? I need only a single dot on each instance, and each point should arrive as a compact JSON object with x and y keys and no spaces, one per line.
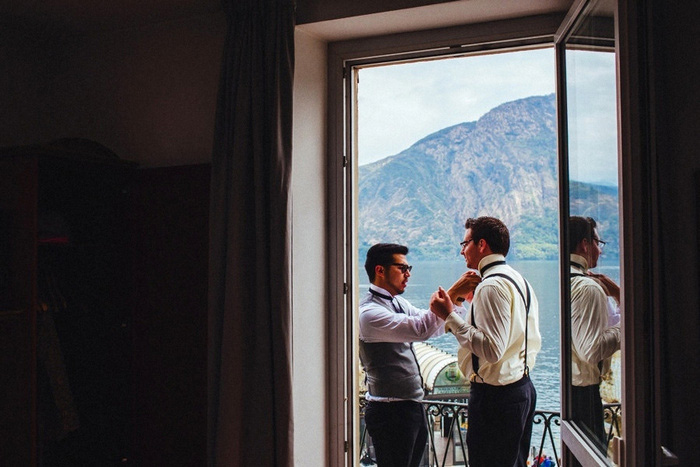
{"x":595,"y":326}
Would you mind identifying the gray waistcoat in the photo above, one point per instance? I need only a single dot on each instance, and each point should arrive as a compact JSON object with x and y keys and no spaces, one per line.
{"x":392,"y":370}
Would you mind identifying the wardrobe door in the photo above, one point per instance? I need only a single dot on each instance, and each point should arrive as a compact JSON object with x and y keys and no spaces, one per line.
{"x":83,"y":318}
{"x":169,"y":237}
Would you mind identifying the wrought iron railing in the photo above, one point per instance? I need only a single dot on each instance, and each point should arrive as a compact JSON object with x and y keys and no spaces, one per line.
{"x":548,"y":419}
{"x":447,"y":424}
{"x":612,"y":415}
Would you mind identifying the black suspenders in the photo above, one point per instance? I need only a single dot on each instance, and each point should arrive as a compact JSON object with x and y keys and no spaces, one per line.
{"x":475,"y":359}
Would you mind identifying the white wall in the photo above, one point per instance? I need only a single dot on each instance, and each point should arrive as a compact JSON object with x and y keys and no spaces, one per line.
{"x":147,"y":93}
{"x":309,"y":258}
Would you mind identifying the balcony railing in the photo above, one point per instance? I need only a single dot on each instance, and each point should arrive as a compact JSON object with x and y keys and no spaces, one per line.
{"x":447,"y":427}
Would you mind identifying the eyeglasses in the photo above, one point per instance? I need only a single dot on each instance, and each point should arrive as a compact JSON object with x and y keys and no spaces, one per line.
{"x":600,"y":242}
{"x":465,"y":243}
{"x":404,"y":268}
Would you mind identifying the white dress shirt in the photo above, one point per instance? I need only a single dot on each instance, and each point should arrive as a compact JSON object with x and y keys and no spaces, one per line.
{"x":593,"y":337}
{"x":498,"y":337}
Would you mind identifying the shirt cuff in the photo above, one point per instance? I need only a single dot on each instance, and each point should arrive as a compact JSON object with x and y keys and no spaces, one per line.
{"x":454,"y":321}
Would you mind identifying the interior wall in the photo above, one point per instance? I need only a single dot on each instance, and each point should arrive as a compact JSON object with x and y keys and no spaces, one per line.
{"x":311,"y":11}
{"x":148,"y":94}
{"x":29,"y":64}
{"x":309,"y":253}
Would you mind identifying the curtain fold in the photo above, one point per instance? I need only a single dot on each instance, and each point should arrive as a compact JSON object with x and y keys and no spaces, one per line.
{"x":250,"y":365}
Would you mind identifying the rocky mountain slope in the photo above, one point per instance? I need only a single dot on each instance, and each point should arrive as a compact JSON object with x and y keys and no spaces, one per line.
{"x":503,"y":165}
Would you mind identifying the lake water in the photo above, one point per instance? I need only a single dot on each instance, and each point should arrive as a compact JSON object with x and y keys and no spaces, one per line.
{"x":543,"y":276}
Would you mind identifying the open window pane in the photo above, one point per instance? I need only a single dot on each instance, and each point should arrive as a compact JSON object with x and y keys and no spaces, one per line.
{"x":591,"y":143}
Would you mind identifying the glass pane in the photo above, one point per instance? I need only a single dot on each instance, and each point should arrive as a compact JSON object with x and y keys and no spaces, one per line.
{"x":594,"y":225}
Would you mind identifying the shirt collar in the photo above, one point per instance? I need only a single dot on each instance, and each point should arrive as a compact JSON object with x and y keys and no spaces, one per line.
{"x":492,"y":258}
{"x":580,"y":261}
{"x":380,"y":290}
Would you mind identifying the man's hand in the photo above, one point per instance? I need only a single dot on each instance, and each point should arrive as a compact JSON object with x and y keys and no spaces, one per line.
{"x":463,"y":288}
{"x":440,"y":304}
{"x":609,"y":286}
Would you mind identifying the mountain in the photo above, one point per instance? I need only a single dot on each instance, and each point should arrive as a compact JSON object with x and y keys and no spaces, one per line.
{"x":503,"y":165}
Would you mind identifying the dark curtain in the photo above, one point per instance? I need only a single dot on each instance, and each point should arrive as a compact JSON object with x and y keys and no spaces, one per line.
{"x":250,"y":387}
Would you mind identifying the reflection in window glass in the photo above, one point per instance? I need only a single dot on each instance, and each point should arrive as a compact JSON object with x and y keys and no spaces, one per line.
{"x":594,"y":243}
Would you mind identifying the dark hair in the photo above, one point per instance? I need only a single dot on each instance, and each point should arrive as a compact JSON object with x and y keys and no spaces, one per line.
{"x":382,"y":254}
{"x":492,"y":230}
{"x":580,"y":228}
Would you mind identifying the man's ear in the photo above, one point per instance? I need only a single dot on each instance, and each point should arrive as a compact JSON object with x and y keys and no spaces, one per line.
{"x":379,"y":270}
{"x":585,"y":245}
{"x":483,"y":246}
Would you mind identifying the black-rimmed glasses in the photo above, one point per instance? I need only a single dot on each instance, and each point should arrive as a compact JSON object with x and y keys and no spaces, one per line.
{"x":465,"y":243}
{"x":404,"y":268}
{"x":600,"y":242}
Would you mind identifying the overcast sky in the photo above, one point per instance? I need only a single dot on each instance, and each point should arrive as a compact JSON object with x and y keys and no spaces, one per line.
{"x":400,"y":104}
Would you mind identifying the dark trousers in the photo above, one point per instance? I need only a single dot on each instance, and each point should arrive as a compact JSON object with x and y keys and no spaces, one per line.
{"x":500,"y":423}
{"x":399,"y":432}
{"x":587,"y":412}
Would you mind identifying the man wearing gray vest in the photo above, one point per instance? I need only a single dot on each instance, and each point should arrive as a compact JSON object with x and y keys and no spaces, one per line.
{"x":498,"y":343}
{"x":388,"y":325}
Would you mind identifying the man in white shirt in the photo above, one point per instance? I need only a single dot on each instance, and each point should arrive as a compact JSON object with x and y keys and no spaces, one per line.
{"x":499,"y":341}
{"x":595,"y":329}
{"x":389,"y":324}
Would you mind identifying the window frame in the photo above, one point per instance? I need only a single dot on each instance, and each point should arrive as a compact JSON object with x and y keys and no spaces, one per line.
{"x":575,"y":445}
{"x":536,"y":31}
{"x":640,"y":280}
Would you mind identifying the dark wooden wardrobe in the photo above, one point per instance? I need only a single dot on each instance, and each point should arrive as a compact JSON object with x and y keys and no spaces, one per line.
{"x":103,"y":283}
